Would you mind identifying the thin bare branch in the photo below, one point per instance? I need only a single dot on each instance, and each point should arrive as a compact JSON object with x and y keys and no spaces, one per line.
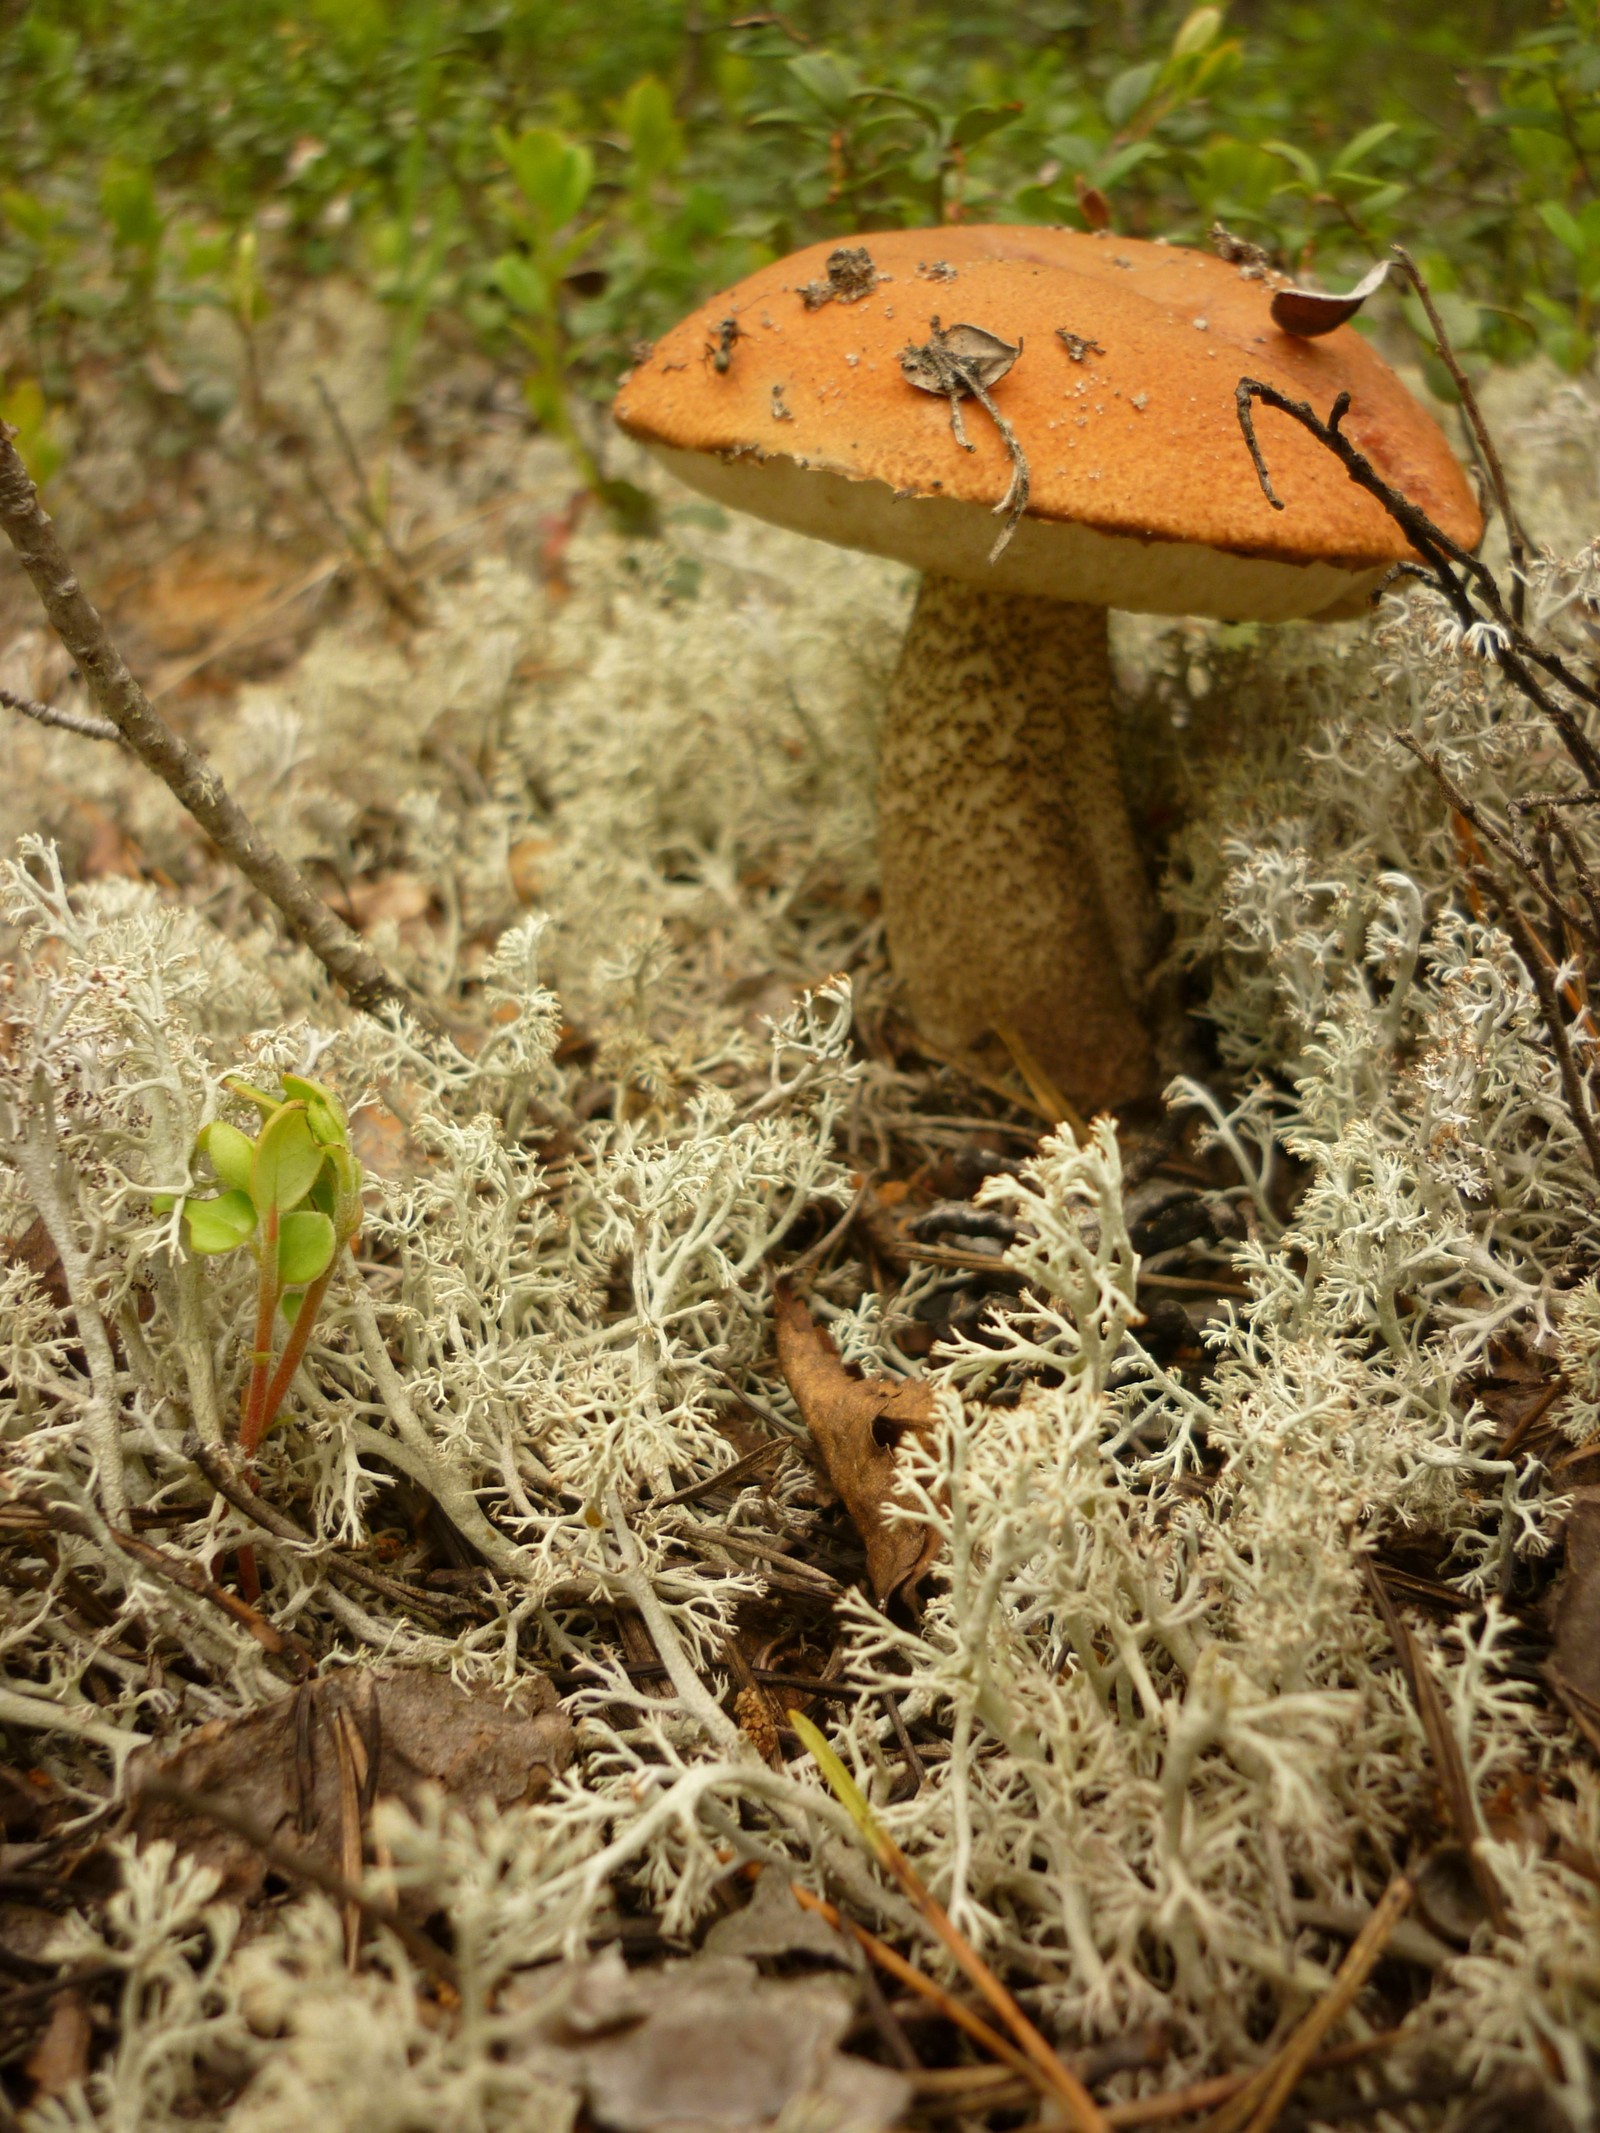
{"x":1516,"y":538}
{"x":1451,"y":565}
{"x":1537,"y":964}
{"x":186,"y":773}
{"x":84,"y":722}
{"x":299,"y":1866}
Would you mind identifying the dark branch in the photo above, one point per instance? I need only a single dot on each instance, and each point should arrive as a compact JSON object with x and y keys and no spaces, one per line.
{"x":84,"y":722}
{"x":186,"y":773}
{"x":1516,"y":539}
{"x":1537,"y":963}
{"x":1514,"y":653}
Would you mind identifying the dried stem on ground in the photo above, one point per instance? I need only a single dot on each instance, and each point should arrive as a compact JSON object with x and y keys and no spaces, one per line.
{"x":190,"y":779}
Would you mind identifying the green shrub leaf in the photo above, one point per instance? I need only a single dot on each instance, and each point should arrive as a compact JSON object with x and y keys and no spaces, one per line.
{"x":220,"y":1225}
{"x":306,"y":1245}
{"x":286,"y":1161}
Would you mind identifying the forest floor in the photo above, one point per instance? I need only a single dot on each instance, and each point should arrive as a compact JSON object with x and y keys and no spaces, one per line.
{"x":1242,"y":1727}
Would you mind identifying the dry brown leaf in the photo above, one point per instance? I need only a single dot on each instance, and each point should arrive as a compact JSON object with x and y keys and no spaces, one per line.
{"x":857,"y":1424}
{"x":280,"y":1766}
{"x":1575,"y":1602}
{"x":60,"y":2059}
{"x":704,"y":2046}
{"x":525,"y":864}
{"x":772,"y":1924}
{"x":397,"y":896}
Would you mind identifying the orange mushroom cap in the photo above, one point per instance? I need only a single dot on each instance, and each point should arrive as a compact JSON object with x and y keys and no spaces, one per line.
{"x":1143,"y":494}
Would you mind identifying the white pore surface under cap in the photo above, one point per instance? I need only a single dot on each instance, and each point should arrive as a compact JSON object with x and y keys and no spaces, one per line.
{"x":1052,"y":559}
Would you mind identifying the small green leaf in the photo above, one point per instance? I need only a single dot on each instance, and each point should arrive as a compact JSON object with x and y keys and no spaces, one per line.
{"x":1129,"y":89}
{"x":266,"y":1104}
{"x":162,"y":1203}
{"x":831,"y":80}
{"x":1117,"y":166}
{"x":286,"y":1161}
{"x":231,"y":1152}
{"x":220,"y":1225}
{"x":523,"y":286}
{"x":27,"y":214}
{"x":1197,"y":32}
{"x":653,"y":133}
{"x":553,"y":174}
{"x":128,"y":196}
{"x":978,"y":121}
{"x":306,"y":1245}
{"x":1364,"y":143}
{"x":324,"y":1113}
{"x":1305,"y":168}
{"x":1562,"y":226}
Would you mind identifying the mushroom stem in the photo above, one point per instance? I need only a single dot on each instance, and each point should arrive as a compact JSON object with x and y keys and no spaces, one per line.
{"x":1014,"y":895}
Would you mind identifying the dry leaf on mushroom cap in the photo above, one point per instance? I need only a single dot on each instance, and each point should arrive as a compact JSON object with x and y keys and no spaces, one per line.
{"x":1310,"y":313}
{"x":279,"y":1766}
{"x":856,"y":1424}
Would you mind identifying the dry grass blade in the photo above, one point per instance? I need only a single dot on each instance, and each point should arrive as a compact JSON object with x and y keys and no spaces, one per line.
{"x":1257,"y":2106}
{"x":1051,"y":1103}
{"x":906,"y":1973}
{"x":1082,"y":2110}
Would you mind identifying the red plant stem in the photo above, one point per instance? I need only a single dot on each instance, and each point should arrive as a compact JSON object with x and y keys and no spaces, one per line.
{"x":293,"y":1354}
{"x":252,"y":1427}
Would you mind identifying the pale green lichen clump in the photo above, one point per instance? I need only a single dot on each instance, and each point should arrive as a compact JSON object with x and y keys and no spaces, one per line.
{"x":1177,"y":1744}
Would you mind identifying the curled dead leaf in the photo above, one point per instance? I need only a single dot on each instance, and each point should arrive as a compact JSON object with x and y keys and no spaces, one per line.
{"x":856,"y":1424}
{"x":1308,"y":313}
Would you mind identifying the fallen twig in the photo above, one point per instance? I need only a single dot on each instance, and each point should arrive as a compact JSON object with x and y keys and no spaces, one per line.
{"x":1448,"y":1767}
{"x":906,"y":1973}
{"x":1537,"y":963}
{"x":1516,"y":539}
{"x":1513,"y":651}
{"x":63,"y":1518}
{"x":226,"y":1476}
{"x":186,"y":773}
{"x":84,"y":722}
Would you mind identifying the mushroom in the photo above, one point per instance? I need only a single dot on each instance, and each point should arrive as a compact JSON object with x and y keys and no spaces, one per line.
{"x":1016,"y":898}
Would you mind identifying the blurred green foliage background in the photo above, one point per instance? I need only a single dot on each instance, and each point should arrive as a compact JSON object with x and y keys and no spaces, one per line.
{"x":560,"y":179}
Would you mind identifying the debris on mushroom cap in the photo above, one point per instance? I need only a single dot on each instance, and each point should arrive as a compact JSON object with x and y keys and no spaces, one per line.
{"x":1162,"y":515}
{"x":850,"y":276}
{"x":1078,"y":345}
{"x":1254,"y":261}
{"x":1312,"y":313}
{"x":957,"y":358}
{"x":962,"y":360}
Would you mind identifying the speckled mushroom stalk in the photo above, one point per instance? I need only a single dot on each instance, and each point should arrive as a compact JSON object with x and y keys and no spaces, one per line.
{"x":1015,"y":900}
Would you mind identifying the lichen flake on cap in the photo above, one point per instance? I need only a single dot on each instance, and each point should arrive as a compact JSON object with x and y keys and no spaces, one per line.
{"x":1134,"y":435}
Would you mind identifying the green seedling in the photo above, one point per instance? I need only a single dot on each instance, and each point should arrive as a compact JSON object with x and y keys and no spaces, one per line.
{"x":291,"y":1196}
